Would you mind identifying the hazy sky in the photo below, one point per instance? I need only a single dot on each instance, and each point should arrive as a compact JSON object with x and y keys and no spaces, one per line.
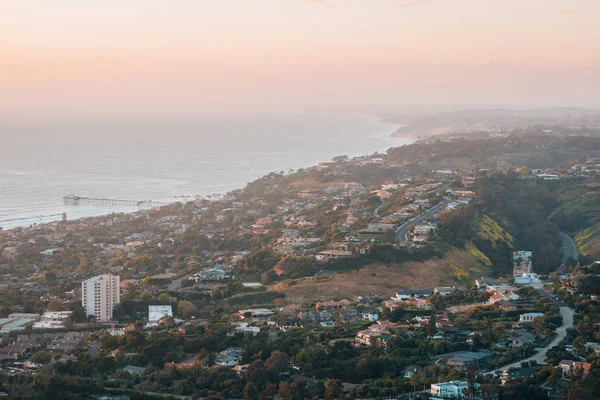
{"x":188,"y":56}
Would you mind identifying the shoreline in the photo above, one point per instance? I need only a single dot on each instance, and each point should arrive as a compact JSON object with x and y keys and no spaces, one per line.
{"x":27,"y":222}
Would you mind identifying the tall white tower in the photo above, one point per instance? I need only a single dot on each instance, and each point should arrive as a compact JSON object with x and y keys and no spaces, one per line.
{"x":99,"y":295}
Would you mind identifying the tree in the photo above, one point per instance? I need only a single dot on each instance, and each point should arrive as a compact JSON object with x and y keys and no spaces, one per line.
{"x":431,"y":326}
{"x":164,"y":298}
{"x":78,"y":314}
{"x":277,"y":363}
{"x":539,"y":324}
{"x":55,"y":305}
{"x":334,"y":389}
{"x":50,"y":276}
{"x":471,"y":378}
{"x":41,"y":357}
{"x":555,"y":375}
{"x":187,"y":309}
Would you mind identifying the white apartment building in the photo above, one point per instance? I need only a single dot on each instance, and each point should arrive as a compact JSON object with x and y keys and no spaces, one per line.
{"x":99,"y":295}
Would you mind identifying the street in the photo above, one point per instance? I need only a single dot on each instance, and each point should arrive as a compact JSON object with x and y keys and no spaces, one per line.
{"x":568,"y":248}
{"x":561,"y":333}
{"x":176,"y":284}
{"x":402,"y":230}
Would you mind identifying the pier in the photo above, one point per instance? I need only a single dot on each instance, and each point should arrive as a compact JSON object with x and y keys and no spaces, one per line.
{"x":73,"y":200}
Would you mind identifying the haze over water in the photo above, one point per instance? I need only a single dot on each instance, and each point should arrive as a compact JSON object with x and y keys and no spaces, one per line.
{"x":42,"y":162}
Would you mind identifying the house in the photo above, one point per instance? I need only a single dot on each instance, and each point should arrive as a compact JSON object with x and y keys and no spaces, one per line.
{"x":420,"y":238}
{"x":229,"y":358}
{"x":443,"y":291}
{"x":241,"y":369}
{"x":286,"y":324}
{"x":425,"y":228}
{"x":464,"y":359}
{"x":528,"y":279}
{"x":508,"y":296}
{"x":506,"y":306}
{"x":255,"y":313}
{"x":593,"y":347}
{"x":464,"y":193}
{"x":133,"y":370}
{"x":528,"y":318}
{"x":156,"y":313}
{"x":570,"y":368}
{"x":416,"y":303}
{"x":410,"y":370}
{"x":333,"y":254}
{"x":370,"y":316}
{"x":324,"y":305}
{"x":448,"y":390}
{"x":246,"y":328}
{"x":316,"y":316}
{"x":406,"y":294}
{"x":378,"y":333}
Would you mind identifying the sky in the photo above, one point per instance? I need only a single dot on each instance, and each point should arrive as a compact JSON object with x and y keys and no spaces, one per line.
{"x":186,"y":57}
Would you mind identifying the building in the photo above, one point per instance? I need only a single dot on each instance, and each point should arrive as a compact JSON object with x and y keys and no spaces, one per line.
{"x":156,"y":313}
{"x":464,"y":359}
{"x":53,"y":320}
{"x":255,"y":313}
{"x":99,"y":295}
{"x":522,"y":263}
{"x":508,"y":296}
{"x":448,"y":390}
{"x":403,"y":295}
{"x":425,"y":228}
{"x":528,"y":279}
{"x":570,"y":368}
{"x":411,"y":370}
{"x":528,"y":318}
{"x":134,"y":370}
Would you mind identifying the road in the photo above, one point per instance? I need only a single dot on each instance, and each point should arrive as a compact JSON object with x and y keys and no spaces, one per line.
{"x":93,"y":350}
{"x":567,"y":248}
{"x":176,"y":284}
{"x":561,"y":333}
{"x":402,"y":230}
{"x":376,"y":211}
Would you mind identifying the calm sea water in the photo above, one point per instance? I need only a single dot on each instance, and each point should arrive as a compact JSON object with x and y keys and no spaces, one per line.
{"x":42,"y":162}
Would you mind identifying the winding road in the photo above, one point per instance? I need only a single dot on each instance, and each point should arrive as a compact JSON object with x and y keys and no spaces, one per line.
{"x":561,"y":333}
{"x":402,"y":231}
{"x":568,"y":248}
{"x":176,"y":284}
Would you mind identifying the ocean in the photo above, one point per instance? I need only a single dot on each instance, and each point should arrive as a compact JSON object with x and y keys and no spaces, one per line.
{"x":164,"y":160}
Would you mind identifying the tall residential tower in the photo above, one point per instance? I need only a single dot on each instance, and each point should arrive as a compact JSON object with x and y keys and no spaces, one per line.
{"x":99,"y":295}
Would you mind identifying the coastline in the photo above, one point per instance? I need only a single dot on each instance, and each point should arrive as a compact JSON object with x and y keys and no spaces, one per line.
{"x":86,"y":212}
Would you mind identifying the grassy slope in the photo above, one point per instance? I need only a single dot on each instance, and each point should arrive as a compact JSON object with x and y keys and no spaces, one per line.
{"x":581,"y":205}
{"x":588,"y":241}
{"x":457,"y":267}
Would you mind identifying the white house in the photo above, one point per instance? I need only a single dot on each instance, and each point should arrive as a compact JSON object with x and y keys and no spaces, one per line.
{"x":529,"y":278}
{"x":370,"y":316}
{"x":448,"y":390}
{"x":529,"y":317}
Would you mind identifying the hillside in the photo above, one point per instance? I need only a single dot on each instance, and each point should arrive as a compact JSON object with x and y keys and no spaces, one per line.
{"x":588,"y":241}
{"x":456,"y":268}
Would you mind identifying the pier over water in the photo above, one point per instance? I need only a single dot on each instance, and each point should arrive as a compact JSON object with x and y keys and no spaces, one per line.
{"x":97,"y":201}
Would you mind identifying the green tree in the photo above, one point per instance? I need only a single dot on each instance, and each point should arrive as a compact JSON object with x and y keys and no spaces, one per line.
{"x":164,"y":298}
{"x":41,"y":357}
{"x":187,"y":309}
